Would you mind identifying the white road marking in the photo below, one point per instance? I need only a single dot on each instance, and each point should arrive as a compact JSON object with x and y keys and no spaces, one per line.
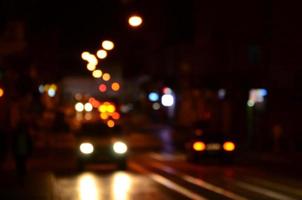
{"x":201,"y":183}
{"x":168,"y":183}
{"x":264,"y":191}
{"x":214,"y":188}
{"x":286,"y":188}
{"x":176,"y":187}
{"x":219,"y":190}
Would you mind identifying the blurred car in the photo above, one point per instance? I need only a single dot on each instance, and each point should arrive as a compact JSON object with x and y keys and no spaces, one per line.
{"x":98,"y":143}
{"x":205,"y":144}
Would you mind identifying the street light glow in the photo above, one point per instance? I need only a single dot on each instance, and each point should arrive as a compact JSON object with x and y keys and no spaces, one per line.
{"x":97,"y":73}
{"x":110,"y":108}
{"x":115,"y":86}
{"x":91,"y":66}
{"x":85,"y":55}
{"x":110,"y":123}
{"x":135,"y":21}
{"x":153,"y":96}
{"x":167,"y":90}
{"x":106,"y":77}
{"x":101,"y":54}
{"x":51,"y":92}
{"x":53,"y":87}
{"x":167,"y":100}
{"x":156,"y":106}
{"x":41,"y":89}
{"x":102,"y":88}
{"x":1,"y":92}
{"x":116,"y":116}
{"x":107,"y":45}
{"x":92,"y":59}
{"x":104,"y":116}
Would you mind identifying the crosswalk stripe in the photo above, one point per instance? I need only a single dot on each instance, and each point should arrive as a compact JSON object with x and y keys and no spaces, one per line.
{"x":201,"y":183}
{"x":280,"y":186}
{"x":216,"y":189}
{"x":264,"y":191}
{"x":176,"y":187}
{"x":168,"y":183}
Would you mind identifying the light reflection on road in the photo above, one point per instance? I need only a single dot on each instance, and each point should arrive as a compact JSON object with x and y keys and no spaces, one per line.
{"x":121,"y":185}
{"x":88,"y":187}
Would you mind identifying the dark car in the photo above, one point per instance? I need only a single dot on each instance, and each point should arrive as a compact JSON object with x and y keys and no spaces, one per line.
{"x":96,"y":142}
{"x":206,"y":144}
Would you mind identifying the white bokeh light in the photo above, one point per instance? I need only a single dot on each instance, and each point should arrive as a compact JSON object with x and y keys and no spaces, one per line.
{"x":51,"y":92}
{"x":108,"y":45}
{"x":79,"y":107}
{"x":88,"y":107}
{"x":167,"y":100}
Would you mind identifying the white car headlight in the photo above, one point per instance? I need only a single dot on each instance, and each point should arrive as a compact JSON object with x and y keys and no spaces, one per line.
{"x":86,"y":148}
{"x":120,"y":147}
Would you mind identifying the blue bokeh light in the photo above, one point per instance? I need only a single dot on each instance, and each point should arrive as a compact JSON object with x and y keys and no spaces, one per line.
{"x":263,"y":92}
{"x":153,"y":96}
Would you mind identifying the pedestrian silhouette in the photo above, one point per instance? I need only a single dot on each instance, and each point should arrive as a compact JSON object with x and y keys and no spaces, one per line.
{"x":22,"y":148}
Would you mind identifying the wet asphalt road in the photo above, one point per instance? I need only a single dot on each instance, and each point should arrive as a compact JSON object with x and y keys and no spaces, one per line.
{"x":170,"y":176}
{"x":153,"y":173}
{"x":153,"y":176}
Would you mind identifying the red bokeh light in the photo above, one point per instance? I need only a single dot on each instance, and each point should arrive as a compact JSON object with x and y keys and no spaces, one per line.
{"x":103,"y":88}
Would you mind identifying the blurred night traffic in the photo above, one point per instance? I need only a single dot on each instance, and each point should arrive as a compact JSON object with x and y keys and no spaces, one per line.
{"x":129,"y":99}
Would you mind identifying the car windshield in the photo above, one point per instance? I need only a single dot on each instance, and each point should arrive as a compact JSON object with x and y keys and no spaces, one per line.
{"x":98,"y":129}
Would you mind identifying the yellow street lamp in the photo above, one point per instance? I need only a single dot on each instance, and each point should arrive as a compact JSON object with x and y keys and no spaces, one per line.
{"x":135,"y":21}
{"x":92,"y":59}
{"x":101,"y":54}
{"x":91,"y":66}
{"x":107,"y":45}
{"x":97,"y":73}
{"x":106,"y":77}
{"x":85,"y":55}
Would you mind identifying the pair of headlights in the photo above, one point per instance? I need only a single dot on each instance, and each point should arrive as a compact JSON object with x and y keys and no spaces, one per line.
{"x":118,"y":147}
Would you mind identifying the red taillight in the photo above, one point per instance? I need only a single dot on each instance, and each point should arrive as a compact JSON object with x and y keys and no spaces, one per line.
{"x":229,"y":146}
{"x":199,"y":146}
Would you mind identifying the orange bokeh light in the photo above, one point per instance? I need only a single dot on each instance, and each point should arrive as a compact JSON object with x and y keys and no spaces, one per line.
{"x":95,"y":103}
{"x":115,"y":86}
{"x":229,"y":146}
{"x":106,"y":77}
{"x":104,"y":116}
{"x":1,"y":92}
{"x":116,"y":116}
{"x":110,"y":123}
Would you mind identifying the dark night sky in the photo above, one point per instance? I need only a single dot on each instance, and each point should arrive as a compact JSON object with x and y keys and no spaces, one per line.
{"x":58,"y":31}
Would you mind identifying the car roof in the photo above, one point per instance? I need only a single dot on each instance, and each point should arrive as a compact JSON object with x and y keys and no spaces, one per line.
{"x":98,"y":128}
